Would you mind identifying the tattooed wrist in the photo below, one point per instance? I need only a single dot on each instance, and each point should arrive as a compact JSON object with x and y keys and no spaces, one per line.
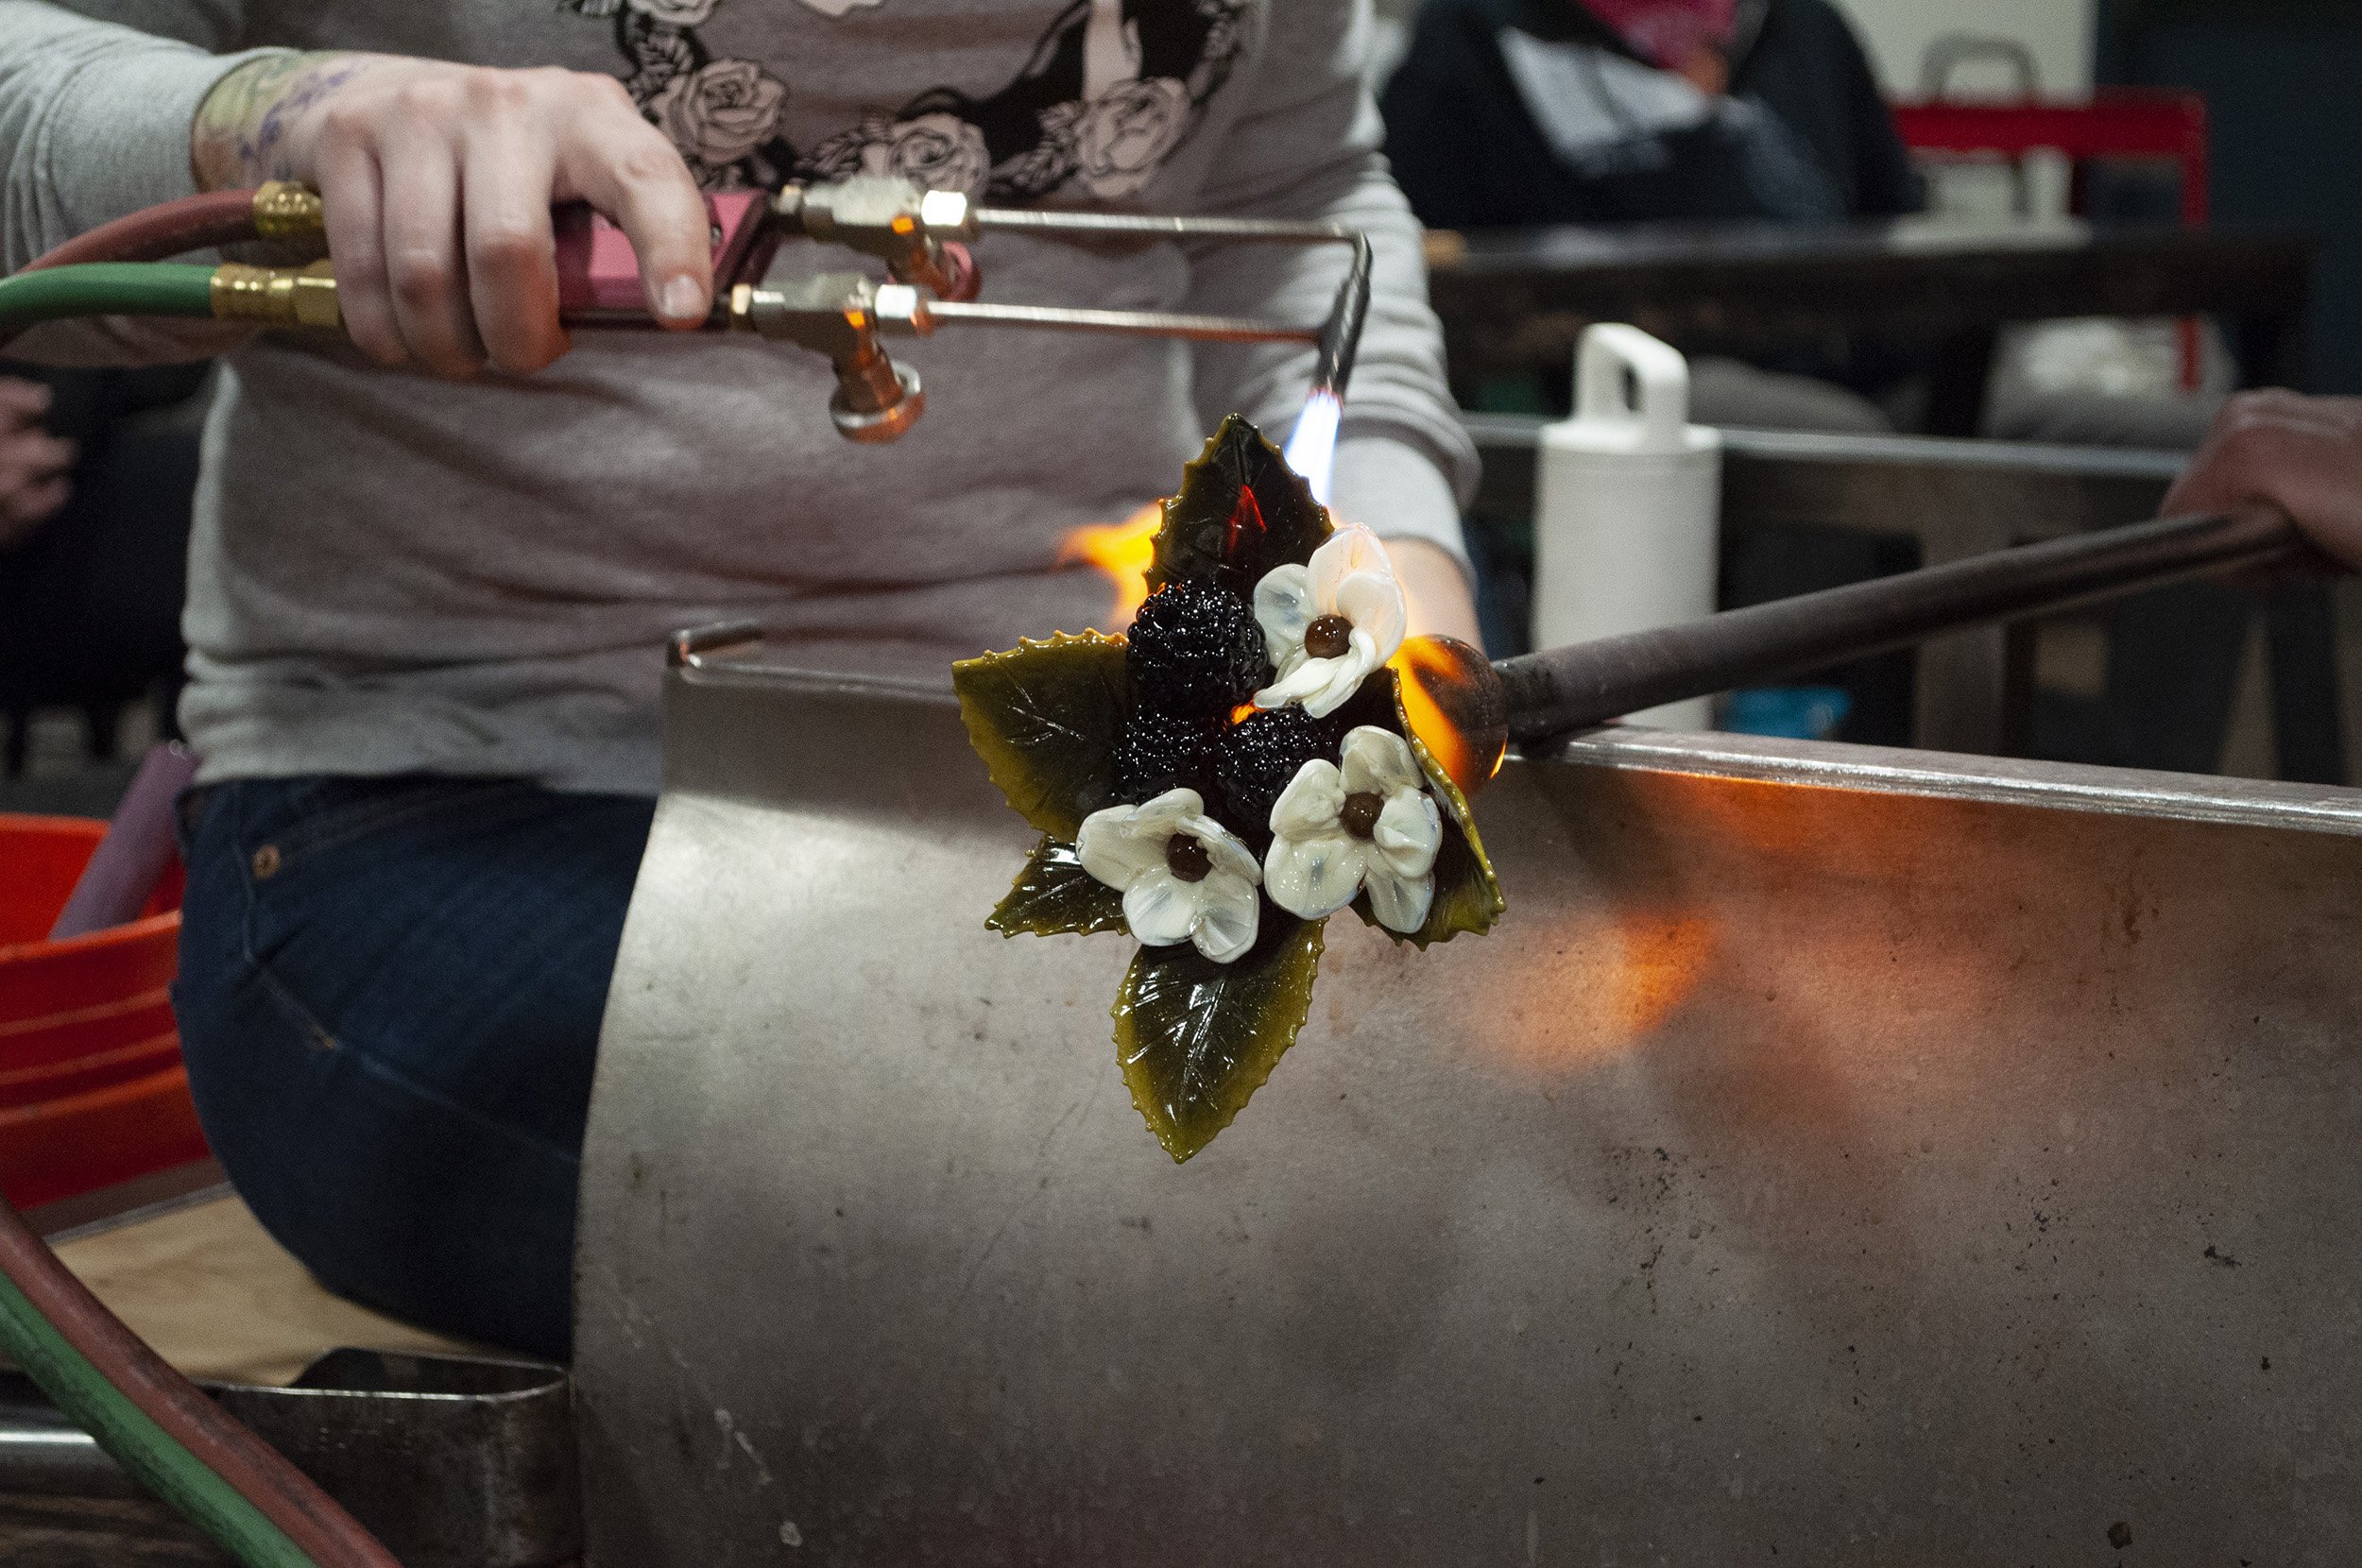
{"x":240,"y":134}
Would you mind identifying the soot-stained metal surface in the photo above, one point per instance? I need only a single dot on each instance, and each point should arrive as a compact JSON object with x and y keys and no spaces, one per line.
{"x":1872,"y":1156}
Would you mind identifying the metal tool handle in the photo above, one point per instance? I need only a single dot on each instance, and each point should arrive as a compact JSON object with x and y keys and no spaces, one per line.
{"x":1588,"y":683}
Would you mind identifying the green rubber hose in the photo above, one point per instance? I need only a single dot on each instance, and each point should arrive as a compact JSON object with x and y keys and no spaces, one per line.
{"x":124,"y":1431}
{"x":105,"y":288}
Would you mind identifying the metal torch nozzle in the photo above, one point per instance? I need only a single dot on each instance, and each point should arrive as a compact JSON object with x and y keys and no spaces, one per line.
{"x":842,"y":314}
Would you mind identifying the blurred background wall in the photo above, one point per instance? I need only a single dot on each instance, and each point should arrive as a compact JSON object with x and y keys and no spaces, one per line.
{"x":2279,"y":78}
{"x":1899,"y":31}
{"x":2059,"y":32}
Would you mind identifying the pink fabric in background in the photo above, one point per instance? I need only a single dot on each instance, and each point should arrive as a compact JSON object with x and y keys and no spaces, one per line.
{"x":1671,"y":32}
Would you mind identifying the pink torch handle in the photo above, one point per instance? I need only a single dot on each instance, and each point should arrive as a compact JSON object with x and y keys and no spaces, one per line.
{"x":598,"y":273}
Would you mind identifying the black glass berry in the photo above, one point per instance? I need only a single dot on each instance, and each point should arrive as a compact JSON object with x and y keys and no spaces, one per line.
{"x":1255,"y":761}
{"x":1195,"y":649}
{"x":1155,"y":752}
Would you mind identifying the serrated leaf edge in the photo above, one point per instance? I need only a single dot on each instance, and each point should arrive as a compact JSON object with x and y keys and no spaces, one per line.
{"x":1287,"y":1044}
{"x":1456,"y":810}
{"x":992,"y":921}
{"x":979,"y":732}
{"x":1195,"y":465}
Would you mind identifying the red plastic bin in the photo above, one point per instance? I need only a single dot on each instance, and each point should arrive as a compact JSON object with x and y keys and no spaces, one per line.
{"x":92,"y":1089}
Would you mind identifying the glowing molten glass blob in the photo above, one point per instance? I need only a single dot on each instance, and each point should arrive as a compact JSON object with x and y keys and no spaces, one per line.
{"x":1453,"y":702}
{"x":1124,"y":550}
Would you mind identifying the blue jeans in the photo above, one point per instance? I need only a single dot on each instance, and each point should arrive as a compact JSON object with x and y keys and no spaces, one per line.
{"x":389,"y":1000}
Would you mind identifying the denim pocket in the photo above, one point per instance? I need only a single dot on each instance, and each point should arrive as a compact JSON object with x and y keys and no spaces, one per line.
{"x":323,"y":861}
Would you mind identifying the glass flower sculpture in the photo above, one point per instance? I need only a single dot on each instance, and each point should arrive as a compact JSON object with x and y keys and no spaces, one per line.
{"x":1237,"y":768}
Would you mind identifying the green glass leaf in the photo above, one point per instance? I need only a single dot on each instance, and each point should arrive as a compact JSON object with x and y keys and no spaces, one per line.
{"x":1043,"y":716}
{"x":1054,"y":896}
{"x":1198,"y":1038}
{"x":1467,"y":896}
{"x":1240,"y":512}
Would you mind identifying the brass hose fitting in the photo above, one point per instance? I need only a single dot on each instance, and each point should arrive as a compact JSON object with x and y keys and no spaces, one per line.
{"x":277,"y":296}
{"x":290,"y":215}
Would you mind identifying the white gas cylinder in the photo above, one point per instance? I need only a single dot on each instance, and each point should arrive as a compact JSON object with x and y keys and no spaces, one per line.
{"x":1627,"y":512}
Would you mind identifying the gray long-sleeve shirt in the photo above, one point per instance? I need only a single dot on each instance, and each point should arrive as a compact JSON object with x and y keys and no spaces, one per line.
{"x":393,"y":573}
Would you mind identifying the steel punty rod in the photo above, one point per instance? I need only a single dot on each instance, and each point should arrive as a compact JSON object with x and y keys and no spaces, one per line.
{"x":1214,"y":329}
{"x":1163,"y":227}
{"x":1340,"y":335}
{"x":1587,"y":683}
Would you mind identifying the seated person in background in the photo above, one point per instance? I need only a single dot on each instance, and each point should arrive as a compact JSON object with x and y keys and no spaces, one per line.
{"x":2303,"y":454}
{"x":97,"y":469}
{"x":1509,"y":113}
{"x":34,"y":464}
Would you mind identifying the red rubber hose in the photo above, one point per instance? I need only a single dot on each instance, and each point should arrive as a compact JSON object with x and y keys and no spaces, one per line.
{"x":156,"y":234}
{"x":287,"y":1497}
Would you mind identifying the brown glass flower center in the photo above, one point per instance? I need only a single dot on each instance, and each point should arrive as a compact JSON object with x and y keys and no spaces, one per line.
{"x":1330,"y":636}
{"x":1186,"y":859}
{"x":1360,"y":813}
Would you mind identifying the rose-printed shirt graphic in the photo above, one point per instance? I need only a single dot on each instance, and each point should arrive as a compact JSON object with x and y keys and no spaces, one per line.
{"x":719,"y":113}
{"x":1111,"y":91}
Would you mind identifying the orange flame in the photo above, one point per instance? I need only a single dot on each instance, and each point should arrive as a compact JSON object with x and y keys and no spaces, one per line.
{"x":1645,"y":961}
{"x":1125,"y":551}
{"x":1422,"y":666}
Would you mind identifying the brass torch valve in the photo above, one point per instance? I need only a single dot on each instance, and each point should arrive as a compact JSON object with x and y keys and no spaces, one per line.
{"x":842,"y":315}
{"x":918,"y":233}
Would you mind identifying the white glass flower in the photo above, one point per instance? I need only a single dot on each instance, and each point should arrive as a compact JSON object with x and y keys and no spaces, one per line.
{"x":1367,"y":824}
{"x":1330,"y":622}
{"x":1183,"y":877}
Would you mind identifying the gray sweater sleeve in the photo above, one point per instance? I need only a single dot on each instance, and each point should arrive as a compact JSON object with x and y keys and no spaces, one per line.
{"x":1305,"y":146}
{"x":94,"y":119}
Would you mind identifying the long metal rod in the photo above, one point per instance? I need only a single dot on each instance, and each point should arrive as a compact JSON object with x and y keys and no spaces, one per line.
{"x":1587,"y":683}
{"x":1158,"y":226}
{"x":1340,"y":337}
{"x":1340,"y":334}
{"x":1215,"y":329}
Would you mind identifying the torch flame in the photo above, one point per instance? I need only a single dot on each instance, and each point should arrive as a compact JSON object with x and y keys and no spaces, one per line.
{"x":1424,"y":666}
{"x":1313,"y":449}
{"x":1125,"y":551}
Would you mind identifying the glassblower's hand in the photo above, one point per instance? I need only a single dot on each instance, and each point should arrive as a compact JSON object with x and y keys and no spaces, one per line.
{"x":438,"y":181}
{"x":2302,"y":454}
{"x":35,"y":465}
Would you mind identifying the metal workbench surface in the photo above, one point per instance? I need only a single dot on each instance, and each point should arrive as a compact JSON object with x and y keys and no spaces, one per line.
{"x":1861,"y":1156}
